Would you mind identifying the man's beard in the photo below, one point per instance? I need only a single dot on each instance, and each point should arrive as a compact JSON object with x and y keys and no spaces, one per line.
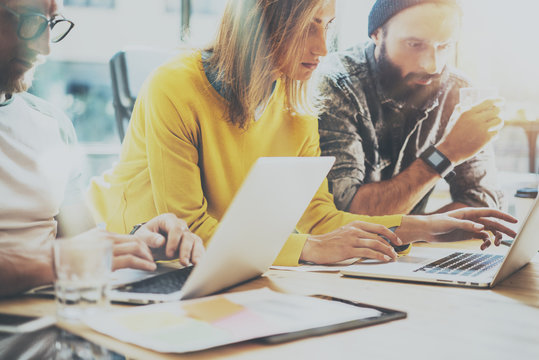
{"x":12,"y":81}
{"x":15,"y":83}
{"x":402,"y":89}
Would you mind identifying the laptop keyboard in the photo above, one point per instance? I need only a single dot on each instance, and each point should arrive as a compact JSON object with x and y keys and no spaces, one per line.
{"x":463,"y":264}
{"x":161,"y":284}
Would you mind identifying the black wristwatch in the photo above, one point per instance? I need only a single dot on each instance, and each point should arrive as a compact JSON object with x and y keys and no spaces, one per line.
{"x":438,"y":162}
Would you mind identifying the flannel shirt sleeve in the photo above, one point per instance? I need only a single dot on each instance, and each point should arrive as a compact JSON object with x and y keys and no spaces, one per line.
{"x":339,"y":137}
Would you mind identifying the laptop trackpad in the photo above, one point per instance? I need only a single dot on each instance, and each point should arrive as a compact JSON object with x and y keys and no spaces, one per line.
{"x":413,"y":259}
{"x":408,"y":259}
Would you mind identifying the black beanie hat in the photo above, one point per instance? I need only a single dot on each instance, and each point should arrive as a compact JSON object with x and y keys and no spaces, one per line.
{"x":383,"y":10}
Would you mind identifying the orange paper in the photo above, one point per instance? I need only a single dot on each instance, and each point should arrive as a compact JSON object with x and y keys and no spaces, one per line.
{"x":212,"y":309}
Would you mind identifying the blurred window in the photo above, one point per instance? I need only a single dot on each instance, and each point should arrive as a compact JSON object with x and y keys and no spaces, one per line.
{"x":90,"y":3}
{"x":76,"y":76}
{"x":204,"y":20}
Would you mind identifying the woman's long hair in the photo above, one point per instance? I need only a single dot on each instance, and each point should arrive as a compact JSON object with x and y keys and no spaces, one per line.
{"x":256,"y":39}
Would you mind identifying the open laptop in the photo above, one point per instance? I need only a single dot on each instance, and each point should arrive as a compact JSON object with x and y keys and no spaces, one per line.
{"x":261,"y":217}
{"x":460,"y":268}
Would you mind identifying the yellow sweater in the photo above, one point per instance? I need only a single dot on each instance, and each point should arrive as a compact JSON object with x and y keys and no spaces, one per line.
{"x":181,"y":155}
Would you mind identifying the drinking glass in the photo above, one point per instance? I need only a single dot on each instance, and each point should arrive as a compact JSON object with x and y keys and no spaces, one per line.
{"x":82,"y":268}
{"x":471,"y":96}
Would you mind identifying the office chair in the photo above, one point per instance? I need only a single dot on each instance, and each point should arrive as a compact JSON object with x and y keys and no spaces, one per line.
{"x":128,"y":69}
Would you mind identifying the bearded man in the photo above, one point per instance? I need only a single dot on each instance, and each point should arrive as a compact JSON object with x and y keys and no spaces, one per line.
{"x":389,"y":113}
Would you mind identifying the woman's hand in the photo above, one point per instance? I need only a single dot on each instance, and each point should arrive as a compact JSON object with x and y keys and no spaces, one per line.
{"x":461,"y":224}
{"x":357,"y":239}
{"x":486,"y":217}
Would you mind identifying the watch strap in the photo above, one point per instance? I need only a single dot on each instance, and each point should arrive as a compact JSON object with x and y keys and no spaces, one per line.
{"x":437,"y":160}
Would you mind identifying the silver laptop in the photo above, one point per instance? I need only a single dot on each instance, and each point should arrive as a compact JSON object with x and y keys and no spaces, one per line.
{"x":250,"y":235}
{"x":460,"y":268}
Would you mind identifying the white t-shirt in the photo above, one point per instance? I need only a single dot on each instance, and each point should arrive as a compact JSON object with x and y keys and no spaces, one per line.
{"x":36,"y":173}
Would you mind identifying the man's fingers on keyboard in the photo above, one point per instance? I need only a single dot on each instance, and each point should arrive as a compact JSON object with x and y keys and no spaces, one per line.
{"x":135,"y":248}
{"x":134,"y":262}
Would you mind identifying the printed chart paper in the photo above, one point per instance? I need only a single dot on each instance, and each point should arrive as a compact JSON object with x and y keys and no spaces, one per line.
{"x":193,"y":325}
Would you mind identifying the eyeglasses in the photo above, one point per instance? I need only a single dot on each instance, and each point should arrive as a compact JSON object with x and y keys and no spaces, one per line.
{"x":32,"y":25}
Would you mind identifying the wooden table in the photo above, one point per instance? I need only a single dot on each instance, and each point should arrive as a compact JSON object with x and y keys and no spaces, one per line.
{"x":443,"y":322}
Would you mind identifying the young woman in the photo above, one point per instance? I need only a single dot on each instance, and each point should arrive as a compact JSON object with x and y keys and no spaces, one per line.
{"x":203,"y":119}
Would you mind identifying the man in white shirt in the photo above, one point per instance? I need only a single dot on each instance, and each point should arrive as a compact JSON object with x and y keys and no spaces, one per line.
{"x":40,"y":195}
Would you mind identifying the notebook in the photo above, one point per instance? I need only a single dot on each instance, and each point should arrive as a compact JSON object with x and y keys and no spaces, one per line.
{"x":460,"y":268}
{"x":261,"y":217}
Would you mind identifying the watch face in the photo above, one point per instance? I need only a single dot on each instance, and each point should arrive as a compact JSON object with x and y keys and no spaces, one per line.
{"x":436,"y":159}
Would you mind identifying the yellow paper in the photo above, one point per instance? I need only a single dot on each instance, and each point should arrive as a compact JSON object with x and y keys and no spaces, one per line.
{"x":212,"y":309}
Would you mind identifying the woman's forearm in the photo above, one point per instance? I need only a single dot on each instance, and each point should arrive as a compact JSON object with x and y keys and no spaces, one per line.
{"x":413,"y":228}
